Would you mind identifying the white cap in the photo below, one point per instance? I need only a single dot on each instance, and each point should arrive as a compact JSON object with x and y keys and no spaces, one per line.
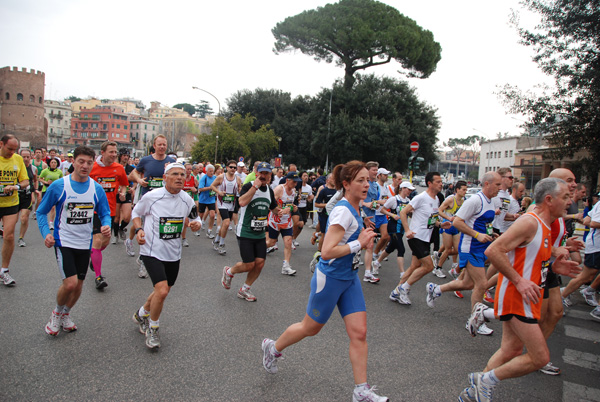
{"x":241,"y":164}
{"x":383,"y":171}
{"x":173,"y":166}
{"x":406,"y":184}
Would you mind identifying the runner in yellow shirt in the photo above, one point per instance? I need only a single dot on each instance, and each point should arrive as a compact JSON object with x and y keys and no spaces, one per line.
{"x":13,"y":177}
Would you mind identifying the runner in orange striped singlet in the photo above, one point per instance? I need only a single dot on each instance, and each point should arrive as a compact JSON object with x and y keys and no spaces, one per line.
{"x":521,"y":256}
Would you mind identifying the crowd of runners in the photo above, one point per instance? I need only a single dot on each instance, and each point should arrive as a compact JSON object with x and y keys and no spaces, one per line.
{"x":508,"y":249}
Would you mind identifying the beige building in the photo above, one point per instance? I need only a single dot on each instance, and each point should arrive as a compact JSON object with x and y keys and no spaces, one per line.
{"x":158,"y":111}
{"x":58,"y":114}
{"x":143,"y":131}
{"x":85,"y":104}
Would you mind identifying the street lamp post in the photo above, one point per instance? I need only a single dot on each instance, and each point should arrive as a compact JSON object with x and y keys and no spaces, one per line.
{"x":217,"y":131}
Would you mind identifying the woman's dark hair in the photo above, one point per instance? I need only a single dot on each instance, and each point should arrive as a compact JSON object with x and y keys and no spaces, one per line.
{"x":346,"y":173}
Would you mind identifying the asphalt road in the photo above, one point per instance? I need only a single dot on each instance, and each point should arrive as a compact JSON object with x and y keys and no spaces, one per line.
{"x":211,"y":340}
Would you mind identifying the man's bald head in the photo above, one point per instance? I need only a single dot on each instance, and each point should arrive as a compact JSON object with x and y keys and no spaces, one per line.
{"x":567,"y":176}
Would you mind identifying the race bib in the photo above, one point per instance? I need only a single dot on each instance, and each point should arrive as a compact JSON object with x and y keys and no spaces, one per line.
{"x":170,"y":228}
{"x":229,"y":198}
{"x":304,"y":196}
{"x":432,"y":220}
{"x":2,"y":193}
{"x":258,"y":223}
{"x":505,"y":204}
{"x":155,"y":182}
{"x":80,"y":213}
{"x":563,"y":241}
{"x":107,"y":183}
{"x":211,"y":193}
{"x":545,"y":267}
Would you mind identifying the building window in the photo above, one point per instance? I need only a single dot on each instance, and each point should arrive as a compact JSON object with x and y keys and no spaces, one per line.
{"x":19,"y":97}
{"x":125,"y":126}
{"x":118,"y":126}
{"x":117,"y":135}
{"x":40,"y":100}
{"x":506,"y":154}
{"x":125,"y":136}
{"x":31,"y":98}
{"x":511,"y":154}
{"x":7,"y":96}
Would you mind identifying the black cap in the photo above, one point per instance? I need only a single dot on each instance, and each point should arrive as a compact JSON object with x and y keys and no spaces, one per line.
{"x":293,"y":176}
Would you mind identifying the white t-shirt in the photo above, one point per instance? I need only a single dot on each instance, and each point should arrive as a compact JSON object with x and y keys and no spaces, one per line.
{"x":502,"y":202}
{"x":64,"y":167}
{"x":592,"y":241}
{"x":424,"y":216}
{"x":513,"y":208}
{"x":242,"y":176}
{"x":384,"y":194}
{"x":304,"y":193}
{"x":164,"y":216}
{"x":344,"y":218}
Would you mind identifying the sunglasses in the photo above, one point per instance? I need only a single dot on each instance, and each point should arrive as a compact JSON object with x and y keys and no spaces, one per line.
{"x":509,"y":177}
{"x":231,"y":167}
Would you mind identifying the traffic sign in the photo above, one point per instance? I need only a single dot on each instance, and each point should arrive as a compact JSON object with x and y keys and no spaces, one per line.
{"x":414,"y":146}
{"x":241,"y":159}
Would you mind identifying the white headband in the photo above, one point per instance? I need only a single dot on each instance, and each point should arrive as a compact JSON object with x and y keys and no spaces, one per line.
{"x":173,"y":166}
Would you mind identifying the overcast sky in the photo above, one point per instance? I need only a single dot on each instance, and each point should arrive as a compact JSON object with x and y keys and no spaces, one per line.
{"x":157,"y":50}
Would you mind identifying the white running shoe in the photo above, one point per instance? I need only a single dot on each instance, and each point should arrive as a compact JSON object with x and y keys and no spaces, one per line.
{"x":482,"y":391}
{"x":435,"y":257}
{"x":295,"y":243}
{"x":286,"y":269}
{"x":370,"y":278}
{"x":403,"y":297}
{"x":226,"y":278}
{"x":438,"y":272}
{"x":185,"y":243}
{"x":113,"y":239}
{"x":22,"y":243}
{"x":7,"y":279}
{"x":53,"y":325}
{"x":589,"y":296}
{"x":550,"y":369}
{"x":453,"y":273}
{"x":367,"y":394}
{"x":375,"y":265}
{"x":271,"y":249}
{"x":476,"y":319}
{"x":431,"y":294}
{"x":142,"y":273}
{"x":221,"y":249}
{"x":270,"y":357}
{"x":67,"y":324}
{"x":152,"y":337}
{"x":129,"y":247}
{"x":566,"y":301}
{"x":197,"y":233}
{"x":484,"y":330}
{"x":595,"y":313}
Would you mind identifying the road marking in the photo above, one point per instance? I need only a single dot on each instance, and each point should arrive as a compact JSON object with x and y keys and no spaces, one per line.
{"x":576,"y":392}
{"x":585,"y":315}
{"x":582,"y":359}
{"x":582,"y":333}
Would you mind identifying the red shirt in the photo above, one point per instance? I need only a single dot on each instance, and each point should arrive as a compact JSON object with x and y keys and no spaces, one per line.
{"x":110,"y":178}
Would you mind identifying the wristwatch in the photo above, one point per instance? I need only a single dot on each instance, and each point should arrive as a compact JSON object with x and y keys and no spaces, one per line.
{"x":138,"y":229}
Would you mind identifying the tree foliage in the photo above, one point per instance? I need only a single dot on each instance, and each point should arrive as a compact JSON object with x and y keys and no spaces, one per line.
{"x":567,"y":48}
{"x":376,"y":120}
{"x":358,"y":34}
{"x":236,"y":138}
{"x":203,"y":108}
{"x":191,"y":109}
{"x":73,"y":98}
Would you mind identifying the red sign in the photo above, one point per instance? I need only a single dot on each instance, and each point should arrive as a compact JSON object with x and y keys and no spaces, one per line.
{"x":414,"y":146}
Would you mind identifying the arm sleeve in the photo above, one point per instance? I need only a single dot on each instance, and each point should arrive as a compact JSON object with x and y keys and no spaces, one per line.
{"x":468,"y":208}
{"x":390,"y":203}
{"x":22,"y":171}
{"x":140,"y":166}
{"x":102,"y":207}
{"x":334,"y":200}
{"x":341,"y":216}
{"x":50,"y":199}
